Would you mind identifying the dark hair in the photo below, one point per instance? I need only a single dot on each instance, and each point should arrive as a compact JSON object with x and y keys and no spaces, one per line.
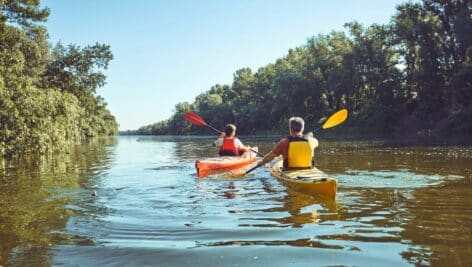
{"x":230,"y":129}
{"x":297,"y":124}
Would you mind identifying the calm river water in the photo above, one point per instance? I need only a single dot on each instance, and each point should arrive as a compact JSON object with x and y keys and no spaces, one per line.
{"x":137,"y":202}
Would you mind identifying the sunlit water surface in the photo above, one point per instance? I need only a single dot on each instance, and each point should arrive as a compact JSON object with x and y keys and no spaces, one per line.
{"x":136,"y":201}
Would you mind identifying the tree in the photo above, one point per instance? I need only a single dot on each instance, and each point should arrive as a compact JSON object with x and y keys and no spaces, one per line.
{"x":412,"y":73}
{"x":47,"y":98}
{"x":23,"y":13}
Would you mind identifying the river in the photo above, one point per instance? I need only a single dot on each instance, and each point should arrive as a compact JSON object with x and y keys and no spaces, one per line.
{"x":136,"y":201}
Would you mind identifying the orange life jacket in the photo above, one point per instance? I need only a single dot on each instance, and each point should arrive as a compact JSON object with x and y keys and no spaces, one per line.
{"x":228,"y":148}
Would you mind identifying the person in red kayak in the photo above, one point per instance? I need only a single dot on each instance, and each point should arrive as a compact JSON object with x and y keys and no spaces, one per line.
{"x":296,"y":149}
{"x":229,"y":144}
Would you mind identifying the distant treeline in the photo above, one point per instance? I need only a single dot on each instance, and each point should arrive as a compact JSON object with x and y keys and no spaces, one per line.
{"x":47,"y":93}
{"x":412,"y":76}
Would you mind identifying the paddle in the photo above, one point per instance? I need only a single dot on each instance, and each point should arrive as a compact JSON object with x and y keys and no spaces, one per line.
{"x":334,"y":120}
{"x":199,"y":121}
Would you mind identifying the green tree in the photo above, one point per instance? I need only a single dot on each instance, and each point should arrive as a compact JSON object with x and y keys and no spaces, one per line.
{"x":47,"y":98}
{"x":413,"y":73}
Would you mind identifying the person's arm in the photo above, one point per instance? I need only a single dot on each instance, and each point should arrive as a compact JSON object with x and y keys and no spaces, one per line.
{"x":218,"y":142}
{"x":267,"y":158}
{"x":239,"y":145}
{"x":316,"y":142}
{"x":313,"y":141}
{"x":272,"y":154}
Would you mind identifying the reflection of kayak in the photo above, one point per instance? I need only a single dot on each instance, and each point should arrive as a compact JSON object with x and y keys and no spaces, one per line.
{"x":303,"y":208}
{"x":310,"y":181}
{"x":226,"y":163}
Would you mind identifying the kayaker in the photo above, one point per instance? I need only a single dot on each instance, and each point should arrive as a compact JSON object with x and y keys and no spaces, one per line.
{"x":296,"y":149}
{"x":228,"y":144}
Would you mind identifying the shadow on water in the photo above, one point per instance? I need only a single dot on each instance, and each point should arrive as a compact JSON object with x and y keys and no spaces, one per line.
{"x":38,"y":195}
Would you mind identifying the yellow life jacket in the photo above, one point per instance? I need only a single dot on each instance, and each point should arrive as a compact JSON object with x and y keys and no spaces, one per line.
{"x":300,"y":153}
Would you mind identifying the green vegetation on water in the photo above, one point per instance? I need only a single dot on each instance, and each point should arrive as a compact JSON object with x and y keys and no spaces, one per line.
{"x":411,"y":77}
{"x":47,"y":94}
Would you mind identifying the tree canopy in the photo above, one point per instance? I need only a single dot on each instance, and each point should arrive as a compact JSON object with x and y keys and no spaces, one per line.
{"x":411,"y":76}
{"x":47,"y":93}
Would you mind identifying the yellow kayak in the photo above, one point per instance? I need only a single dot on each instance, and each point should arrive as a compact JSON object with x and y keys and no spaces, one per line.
{"x":309,"y":181}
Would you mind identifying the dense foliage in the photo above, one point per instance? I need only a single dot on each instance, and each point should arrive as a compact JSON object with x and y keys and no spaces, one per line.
{"x":412,"y":76}
{"x":47,"y":94}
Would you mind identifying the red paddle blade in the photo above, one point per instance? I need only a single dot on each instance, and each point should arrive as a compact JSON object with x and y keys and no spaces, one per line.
{"x":194,"y":119}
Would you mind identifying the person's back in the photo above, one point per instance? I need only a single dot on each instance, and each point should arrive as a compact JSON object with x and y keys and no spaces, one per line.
{"x":299,"y":153}
{"x":228,"y":144}
{"x":296,"y":149}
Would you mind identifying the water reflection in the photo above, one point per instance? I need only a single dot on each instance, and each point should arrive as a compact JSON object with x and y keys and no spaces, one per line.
{"x":396,"y":205}
{"x":440,"y":219}
{"x":38,"y":195}
{"x":385,"y":198}
{"x":298,"y":209}
{"x":342,"y":157}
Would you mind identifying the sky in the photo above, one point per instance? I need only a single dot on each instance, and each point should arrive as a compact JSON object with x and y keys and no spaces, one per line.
{"x":166,"y":51}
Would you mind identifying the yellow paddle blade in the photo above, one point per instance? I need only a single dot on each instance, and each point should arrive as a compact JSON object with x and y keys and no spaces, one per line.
{"x":336,"y":119}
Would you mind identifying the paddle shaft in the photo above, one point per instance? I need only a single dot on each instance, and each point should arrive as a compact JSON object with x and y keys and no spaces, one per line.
{"x":214,"y":129}
{"x":317,"y":129}
{"x":251,"y":169}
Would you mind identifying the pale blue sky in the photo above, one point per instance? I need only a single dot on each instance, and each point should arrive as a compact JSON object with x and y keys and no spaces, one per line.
{"x":167,"y":52}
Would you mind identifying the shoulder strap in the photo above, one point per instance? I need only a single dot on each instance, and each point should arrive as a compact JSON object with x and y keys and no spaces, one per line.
{"x":296,"y":138}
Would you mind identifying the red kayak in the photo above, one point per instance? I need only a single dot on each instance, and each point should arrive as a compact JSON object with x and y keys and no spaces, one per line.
{"x":226,"y":163}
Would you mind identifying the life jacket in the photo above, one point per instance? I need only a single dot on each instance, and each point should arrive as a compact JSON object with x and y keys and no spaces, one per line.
{"x":228,"y":148}
{"x":299,"y":153}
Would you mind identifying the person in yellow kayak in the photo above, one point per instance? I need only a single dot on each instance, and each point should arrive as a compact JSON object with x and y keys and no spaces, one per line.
{"x":228,"y":144}
{"x":296,"y":149}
